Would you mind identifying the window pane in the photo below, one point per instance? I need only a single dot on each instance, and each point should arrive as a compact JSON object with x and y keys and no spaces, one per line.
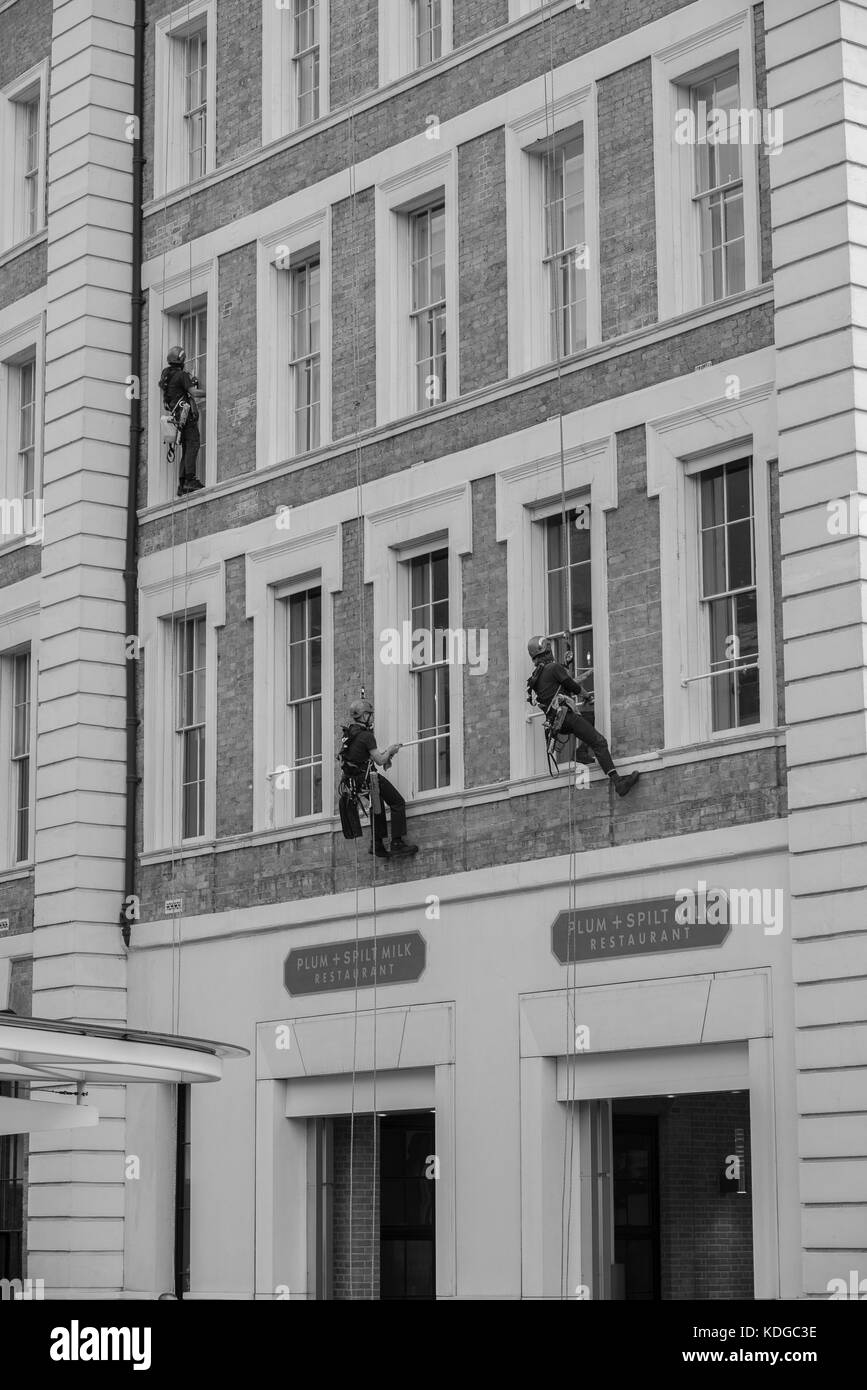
{"x":713,"y":498}
{"x":582,"y":614}
{"x":713,"y":562}
{"x":739,"y":492}
{"x":740,"y":554}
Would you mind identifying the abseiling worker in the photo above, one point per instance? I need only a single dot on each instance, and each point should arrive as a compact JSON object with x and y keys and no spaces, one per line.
{"x":360,"y":749}
{"x":181,"y":395}
{"x":550,"y":679}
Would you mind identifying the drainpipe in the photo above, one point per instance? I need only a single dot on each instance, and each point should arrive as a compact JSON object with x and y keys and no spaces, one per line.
{"x":130,"y":571}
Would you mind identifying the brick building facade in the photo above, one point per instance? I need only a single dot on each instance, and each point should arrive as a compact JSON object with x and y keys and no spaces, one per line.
{"x":686,"y":363}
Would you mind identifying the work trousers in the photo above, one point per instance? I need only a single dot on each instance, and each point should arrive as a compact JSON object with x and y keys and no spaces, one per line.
{"x":391,"y":797}
{"x":191,"y":442}
{"x":585,"y":731}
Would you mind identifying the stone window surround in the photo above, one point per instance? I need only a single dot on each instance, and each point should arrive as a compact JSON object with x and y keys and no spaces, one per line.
{"x":391,"y":536}
{"x":19,"y":627}
{"x":30,"y":84}
{"x":171,"y":170}
{"x":168,"y":299}
{"x":675,"y":70}
{"x":396,"y":197}
{"x":678,"y":447}
{"x":525,"y":494}
{"x":21,"y":340}
{"x":162,"y":600}
{"x":396,"y":30}
{"x":276,"y":255}
{"x":314,"y":555}
{"x":527,"y":283}
{"x":278,"y":94}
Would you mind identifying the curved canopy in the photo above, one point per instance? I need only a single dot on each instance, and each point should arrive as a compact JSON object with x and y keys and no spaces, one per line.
{"x":40,"y":1049}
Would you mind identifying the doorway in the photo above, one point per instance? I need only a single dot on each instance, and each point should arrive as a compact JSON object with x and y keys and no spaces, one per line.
{"x":378,"y":1176}
{"x":636,"y":1207}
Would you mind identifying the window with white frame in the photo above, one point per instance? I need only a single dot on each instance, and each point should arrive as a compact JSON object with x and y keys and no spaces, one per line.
{"x":301,"y":685}
{"x":295,"y":65}
{"x":428,"y":311}
{"x":569,"y":592}
{"x":22,"y":146}
{"x":412,"y":35}
{"x":565,"y":244}
{"x":429,"y":669}
{"x":305,"y":363}
{"x":193,"y":336}
{"x":305,"y":60}
{"x":196,"y":102}
{"x":21,"y":755}
{"x":16,"y":730}
{"x":710,"y":465}
{"x":707,"y":133}
{"x":190,"y":652}
{"x":719,"y":187}
{"x":554,"y":299}
{"x":185,"y":126}
{"x":427,"y":24}
{"x":21,"y":416}
{"x":729,"y":616}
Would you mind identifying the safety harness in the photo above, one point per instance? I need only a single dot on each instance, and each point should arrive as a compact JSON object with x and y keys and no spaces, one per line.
{"x":358,"y":790}
{"x":561,"y":705}
{"x":176,"y":416}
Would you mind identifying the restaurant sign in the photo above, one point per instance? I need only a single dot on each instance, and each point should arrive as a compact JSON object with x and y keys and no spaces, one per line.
{"x":635,"y":929}
{"x":372,"y":960}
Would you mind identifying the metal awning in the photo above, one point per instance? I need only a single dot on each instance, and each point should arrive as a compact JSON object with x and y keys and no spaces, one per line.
{"x":40,"y":1051}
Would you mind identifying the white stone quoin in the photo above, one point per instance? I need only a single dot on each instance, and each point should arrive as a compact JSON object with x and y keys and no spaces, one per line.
{"x":75,"y":1228}
{"x":819,"y":217}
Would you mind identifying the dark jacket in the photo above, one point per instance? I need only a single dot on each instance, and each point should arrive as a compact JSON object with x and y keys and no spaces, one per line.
{"x":358,"y":747}
{"x":548,"y":678}
{"x":176,"y":385}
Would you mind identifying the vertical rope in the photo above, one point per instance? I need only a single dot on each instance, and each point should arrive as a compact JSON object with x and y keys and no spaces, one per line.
{"x":571,"y":966}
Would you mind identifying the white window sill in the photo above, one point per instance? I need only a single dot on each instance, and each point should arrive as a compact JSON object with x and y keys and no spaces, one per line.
{"x":19,"y":871}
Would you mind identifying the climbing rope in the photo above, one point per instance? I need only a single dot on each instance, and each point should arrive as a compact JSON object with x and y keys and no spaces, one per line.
{"x":571,"y":966}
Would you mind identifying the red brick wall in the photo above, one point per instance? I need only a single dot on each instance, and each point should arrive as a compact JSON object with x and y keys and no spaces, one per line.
{"x":239,"y":79}
{"x":486,"y":697}
{"x":354,"y":53}
{"x":435,"y":435}
{"x":235,"y":701}
{"x":353,"y":298}
{"x":473,"y":18}
{"x":355,"y":1279}
{"x":519,"y":58}
{"x":25,"y":30}
{"x":482,"y":261}
{"x":706,"y":1238}
{"x":634,"y":604}
{"x":627,"y":202}
{"x":23,"y":274}
{"x":238,"y":363}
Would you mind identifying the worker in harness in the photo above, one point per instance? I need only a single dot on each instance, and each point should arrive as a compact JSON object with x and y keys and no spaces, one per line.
{"x":359,"y":751}
{"x":180,"y":396}
{"x":552,"y":686}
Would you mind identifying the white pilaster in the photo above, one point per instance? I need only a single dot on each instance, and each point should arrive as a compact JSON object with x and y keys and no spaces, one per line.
{"x":75,"y":1228}
{"x":817,"y":81}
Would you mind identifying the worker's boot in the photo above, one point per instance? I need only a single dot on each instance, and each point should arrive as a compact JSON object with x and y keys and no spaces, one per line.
{"x":380,"y":850}
{"x":401,"y":848}
{"x":623,"y":785}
